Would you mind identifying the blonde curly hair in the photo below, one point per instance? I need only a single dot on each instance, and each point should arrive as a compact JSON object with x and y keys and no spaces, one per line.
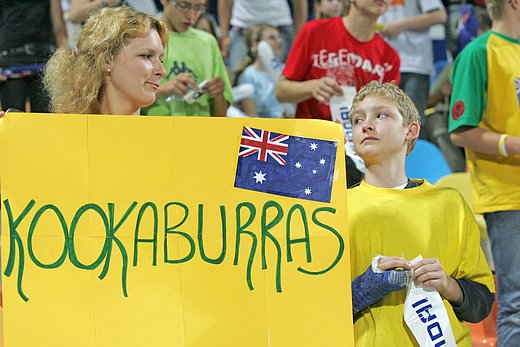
{"x":397,"y":96}
{"x":75,"y":78}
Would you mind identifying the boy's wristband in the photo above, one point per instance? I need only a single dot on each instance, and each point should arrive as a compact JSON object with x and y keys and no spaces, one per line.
{"x":502,"y":145}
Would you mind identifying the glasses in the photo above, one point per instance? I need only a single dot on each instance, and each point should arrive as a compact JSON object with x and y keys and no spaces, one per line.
{"x":186,"y":7}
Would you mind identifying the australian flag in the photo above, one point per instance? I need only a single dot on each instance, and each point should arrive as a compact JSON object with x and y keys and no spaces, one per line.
{"x":293,"y":166}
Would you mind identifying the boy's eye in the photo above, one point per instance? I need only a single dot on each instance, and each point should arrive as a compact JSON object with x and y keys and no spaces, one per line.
{"x":382,"y":115}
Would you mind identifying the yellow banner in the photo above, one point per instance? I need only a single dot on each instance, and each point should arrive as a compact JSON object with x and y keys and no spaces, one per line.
{"x":173,"y":231}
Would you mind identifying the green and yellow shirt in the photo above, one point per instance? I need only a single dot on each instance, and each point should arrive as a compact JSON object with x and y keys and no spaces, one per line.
{"x":486,"y":93}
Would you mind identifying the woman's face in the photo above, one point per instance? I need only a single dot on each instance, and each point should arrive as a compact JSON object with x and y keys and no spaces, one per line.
{"x":271,"y":36}
{"x":134,"y":75}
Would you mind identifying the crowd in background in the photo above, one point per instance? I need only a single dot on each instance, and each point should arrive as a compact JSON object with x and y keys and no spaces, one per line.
{"x":31,"y":30}
{"x":286,"y":59}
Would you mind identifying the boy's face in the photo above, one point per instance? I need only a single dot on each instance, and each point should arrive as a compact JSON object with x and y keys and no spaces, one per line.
{"x":372,"y":8}
{"x":378,"y":132}
{"x":182,"y":14}
{"x":329,"y":8}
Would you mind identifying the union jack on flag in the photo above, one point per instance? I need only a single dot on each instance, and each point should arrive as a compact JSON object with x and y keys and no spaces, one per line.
{"x":517,"y":86}
{"x":264,"y":143}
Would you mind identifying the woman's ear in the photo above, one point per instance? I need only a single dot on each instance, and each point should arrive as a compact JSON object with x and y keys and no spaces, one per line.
{"x":413,"y":131}
{"x":107,"y":68}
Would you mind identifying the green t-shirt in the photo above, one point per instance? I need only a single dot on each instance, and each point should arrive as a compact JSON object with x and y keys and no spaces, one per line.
{"x":196,"y":52}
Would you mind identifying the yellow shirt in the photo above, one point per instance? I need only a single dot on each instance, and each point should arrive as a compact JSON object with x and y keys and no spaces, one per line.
{"x":426,"y":220}
{"x":486,"y":93}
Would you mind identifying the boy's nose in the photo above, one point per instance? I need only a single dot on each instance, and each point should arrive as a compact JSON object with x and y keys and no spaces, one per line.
{"x":192,"y":15}
{"x":368,"y":126}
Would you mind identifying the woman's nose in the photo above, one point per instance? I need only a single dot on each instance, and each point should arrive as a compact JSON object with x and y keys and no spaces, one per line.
{"x":159,"y":69}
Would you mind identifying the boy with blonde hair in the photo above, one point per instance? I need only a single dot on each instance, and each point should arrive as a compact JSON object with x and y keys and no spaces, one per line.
{"x":392,"y":215}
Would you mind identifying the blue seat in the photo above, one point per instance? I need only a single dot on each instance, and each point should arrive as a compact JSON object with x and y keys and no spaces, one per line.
{"x":426,"y":161}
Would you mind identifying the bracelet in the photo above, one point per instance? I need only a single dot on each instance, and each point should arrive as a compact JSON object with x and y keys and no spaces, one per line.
{"x":502,"y":145}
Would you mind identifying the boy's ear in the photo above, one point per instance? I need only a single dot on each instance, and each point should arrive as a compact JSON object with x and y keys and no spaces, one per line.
{"x":413,"y":131}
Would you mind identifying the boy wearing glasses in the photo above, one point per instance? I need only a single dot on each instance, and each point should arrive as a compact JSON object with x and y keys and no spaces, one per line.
{"x":196,"y":81}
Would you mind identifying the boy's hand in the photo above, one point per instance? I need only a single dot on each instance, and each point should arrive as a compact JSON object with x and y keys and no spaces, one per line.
{"x":371,"y":286}
{"x":324,"y":89}
{"x":214,"y":87}
{"x":179,"y":85}
{"x":388,"y":263}
{"x":430,"y":273}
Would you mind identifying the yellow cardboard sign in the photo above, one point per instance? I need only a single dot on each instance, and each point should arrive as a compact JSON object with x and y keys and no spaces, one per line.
{"x":135,"y":231}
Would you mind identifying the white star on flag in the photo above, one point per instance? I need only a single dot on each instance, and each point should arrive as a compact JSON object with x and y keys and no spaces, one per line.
{"x":259,"y":177}
{"x":313,"y":146}
{"x":298,"y":165}
{"x":314,"y":172}
{"x":308,"y":191}
{"x":322,"y":161}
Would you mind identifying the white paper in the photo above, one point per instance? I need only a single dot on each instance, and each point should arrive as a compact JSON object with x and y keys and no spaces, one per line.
{"x":426,"y":316}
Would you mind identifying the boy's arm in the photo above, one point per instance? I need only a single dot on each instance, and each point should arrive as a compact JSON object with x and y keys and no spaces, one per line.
{"x":298,"y":91}
{"x":81,"y":9}
{"x":219,"y":106}
{"x":477,"y":303}
{"x":471,"y":301}
{"x":415,"y":23}
{"x":377,"y":281}
{"x":430,"y":273}
{"x":224,"y":14}
{"x":58,"y":24}
{"x":249,"y":106}
{"x":215,"y":88}
{"x":484,"y":141}
{"x":301,"y":11}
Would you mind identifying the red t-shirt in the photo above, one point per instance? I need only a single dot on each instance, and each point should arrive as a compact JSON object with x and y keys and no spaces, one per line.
{"x":325,"y":48}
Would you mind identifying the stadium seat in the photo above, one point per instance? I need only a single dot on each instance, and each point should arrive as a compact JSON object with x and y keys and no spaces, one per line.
{"x":426,"y":161}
